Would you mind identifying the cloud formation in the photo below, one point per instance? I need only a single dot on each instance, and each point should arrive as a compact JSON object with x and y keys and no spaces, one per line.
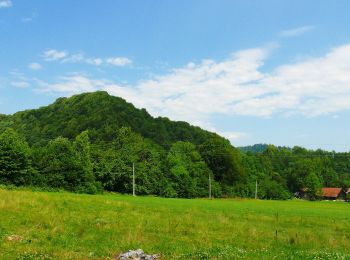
{"x":18,"y":80}
{"x":5,"y":3}
{"x":65,"y":57}
{"x":34,"y":66}
{"x":235,"y":86}
{"x":118,"y":61}
{"x":52,"y":55}
{"x":296,"y":31}
{"x":20,"y":84}
{"x":72,"y":85}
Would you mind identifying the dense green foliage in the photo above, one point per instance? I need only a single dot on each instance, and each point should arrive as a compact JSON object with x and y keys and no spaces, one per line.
{"x":15,"y":162}
{"x":68,"y":165}
{"x":188,"y":172}
{"x":89,"y":143}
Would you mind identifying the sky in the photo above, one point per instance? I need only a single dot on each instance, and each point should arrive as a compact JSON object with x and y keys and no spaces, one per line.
{"x":253,"y":71}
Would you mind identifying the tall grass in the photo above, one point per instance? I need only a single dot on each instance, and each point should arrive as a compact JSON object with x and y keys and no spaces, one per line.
{"x":59,"y":225}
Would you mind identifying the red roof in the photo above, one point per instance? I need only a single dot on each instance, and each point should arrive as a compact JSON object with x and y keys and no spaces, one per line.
{"x":331,"y":192}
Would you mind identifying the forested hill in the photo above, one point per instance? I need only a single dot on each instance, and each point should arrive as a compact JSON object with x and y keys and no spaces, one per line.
{"x":90,"y":142}
{"x":102,"y":115}
{"x":258,"y":148}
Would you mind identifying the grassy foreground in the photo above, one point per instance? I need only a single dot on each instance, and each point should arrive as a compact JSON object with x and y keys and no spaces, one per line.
{"x":41,"y":225}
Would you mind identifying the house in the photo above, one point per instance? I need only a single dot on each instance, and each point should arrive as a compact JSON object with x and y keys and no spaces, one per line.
{"x":333,"y":193}
{"x":302,"y":194}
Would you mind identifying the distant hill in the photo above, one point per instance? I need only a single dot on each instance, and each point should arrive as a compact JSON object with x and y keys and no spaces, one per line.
{"x":257,"y":148}
{"x":101,"y":114}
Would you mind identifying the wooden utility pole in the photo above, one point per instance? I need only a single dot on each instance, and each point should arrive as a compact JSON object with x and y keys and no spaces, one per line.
{"x":133,"y":179}
{"x":209,"y":187}
{"x":256,"y":189}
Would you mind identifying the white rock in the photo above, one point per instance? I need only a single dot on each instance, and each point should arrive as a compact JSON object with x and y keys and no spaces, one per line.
{"x":137,"y":255}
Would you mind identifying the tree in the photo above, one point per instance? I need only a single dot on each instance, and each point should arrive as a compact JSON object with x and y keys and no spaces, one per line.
{"x":223,"y":160}
{"x":188,"y":172}
{"x":82,"y":149}
{"x":68,"y":166}
{"x":113,"y":166}
{"x":313,"y":185}
{"x":15,"y":162}
{"x":271,"y":189}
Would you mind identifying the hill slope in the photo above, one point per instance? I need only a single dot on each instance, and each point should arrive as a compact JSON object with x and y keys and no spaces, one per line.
{"x":102,"y":115}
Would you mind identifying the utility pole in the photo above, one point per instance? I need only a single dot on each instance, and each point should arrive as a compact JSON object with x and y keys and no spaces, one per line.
{"x":209,"y":187}
{"x":256,"y":189}
{"x":133,"y":179}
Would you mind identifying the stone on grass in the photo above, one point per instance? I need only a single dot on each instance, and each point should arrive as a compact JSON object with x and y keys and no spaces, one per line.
{"x":137,"y":255}
{"x":14,"y":238}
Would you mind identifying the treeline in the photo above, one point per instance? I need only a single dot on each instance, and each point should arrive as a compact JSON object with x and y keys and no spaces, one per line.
{"x":79,"y":166}
{"x":89,"y":143}
{"x":183,"y":170}
{"x":284,"y":171}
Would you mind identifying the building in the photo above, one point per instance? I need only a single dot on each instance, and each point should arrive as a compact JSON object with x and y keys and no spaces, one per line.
{"x":333,"y":193}
{"x":302,"y":194}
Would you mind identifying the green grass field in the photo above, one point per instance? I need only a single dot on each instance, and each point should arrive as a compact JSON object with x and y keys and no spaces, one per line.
{"x":49,"y":225}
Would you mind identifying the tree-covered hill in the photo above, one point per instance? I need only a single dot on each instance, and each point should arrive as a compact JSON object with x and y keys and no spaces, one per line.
{"x":90,"y":142}
{"x":102,"y":115}
{"x":257,"y":148}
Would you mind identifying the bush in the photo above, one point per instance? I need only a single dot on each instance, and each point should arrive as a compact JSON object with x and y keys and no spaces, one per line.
{"x":347,"y":197}
{"x":270,"y":189}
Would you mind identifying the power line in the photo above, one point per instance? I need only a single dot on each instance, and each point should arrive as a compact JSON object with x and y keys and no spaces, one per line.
{"x":260,"y":154}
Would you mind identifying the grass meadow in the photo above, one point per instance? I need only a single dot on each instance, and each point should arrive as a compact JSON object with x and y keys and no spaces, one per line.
{"x":60,"y":225}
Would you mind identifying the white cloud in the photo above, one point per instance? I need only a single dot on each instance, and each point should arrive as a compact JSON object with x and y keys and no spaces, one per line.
{"x":73,"y":84}
{"x":313,"y":87}
{"x":20,"y":84}
{"x":34,"y":66}
{"x":5,"y":3}
{"x":232,"y":136}
{"x":52,"y":55}
{"x":196,"y":91}
{"x":118,"y":61}
{"x":235,"y":86}
{"x":74,"y":58}
{"x":94,"y":61}
{"x":297,"y":31}
{"x":19,"y":80}
{"x":65,"y":57}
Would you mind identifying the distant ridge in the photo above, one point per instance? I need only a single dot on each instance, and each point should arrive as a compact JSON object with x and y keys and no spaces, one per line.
{"x":258,"y":148}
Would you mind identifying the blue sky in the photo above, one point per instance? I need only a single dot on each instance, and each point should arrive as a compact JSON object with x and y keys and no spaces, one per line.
{"x":254,"y":71}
